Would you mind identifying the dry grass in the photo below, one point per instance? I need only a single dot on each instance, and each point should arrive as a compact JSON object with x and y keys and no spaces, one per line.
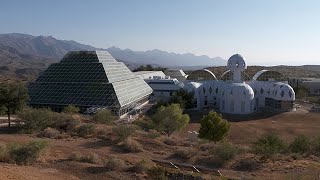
{"x":50,"y":133}
{"x":114,"y":164}
{"x":131,"y":145}
{"x":86,"y":158}
{"x":140,"y":167}
{"x":171,"y":141}
{"x":185,"y":153}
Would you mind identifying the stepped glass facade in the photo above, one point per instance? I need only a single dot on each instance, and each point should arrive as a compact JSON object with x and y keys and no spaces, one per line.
{"x":88,"y":80}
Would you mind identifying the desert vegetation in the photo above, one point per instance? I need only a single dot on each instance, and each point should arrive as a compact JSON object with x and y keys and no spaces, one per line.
{"x":94,"y":146}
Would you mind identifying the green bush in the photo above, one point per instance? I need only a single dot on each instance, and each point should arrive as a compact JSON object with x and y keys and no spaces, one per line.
{"x":114,"y":164}
{"x":36,"y":120}
{"x":268,"y":145}
{"x":104,"y":117}
{"x":132,"y":145}
{"x":65,"y":123}
{"x":153,"y":134}
{"x":90,"y":158}
{"x":70,"y":109}
{"x":301,"y":144}
{"x":85,"y":130}
{"x":169,"y":119}
{"x":124,"y":131}
{"x":26,"y":153}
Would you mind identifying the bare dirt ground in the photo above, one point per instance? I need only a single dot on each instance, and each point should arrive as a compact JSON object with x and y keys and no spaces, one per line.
{"x":55,"y":163}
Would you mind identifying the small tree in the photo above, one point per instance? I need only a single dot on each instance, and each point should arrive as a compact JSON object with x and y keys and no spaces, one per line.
{"x":170,"y":118}
{"x":301,"y":144}
{"x":301,"y":92}
{"x":268,"y":145}
{"x":13,"y":97}
{"x":213,"y":127}
{"x":70,"y":109}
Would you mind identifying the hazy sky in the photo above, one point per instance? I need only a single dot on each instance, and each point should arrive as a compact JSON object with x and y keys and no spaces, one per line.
{"x":266,"y":32}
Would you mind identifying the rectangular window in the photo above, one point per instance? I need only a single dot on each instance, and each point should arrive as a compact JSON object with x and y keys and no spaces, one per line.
{"x":243,"y":106}
{"x":205,"y":100}
{"x":232,"y":106}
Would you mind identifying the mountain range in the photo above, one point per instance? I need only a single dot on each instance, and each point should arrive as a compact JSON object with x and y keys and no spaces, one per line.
{"x":24,"y":56}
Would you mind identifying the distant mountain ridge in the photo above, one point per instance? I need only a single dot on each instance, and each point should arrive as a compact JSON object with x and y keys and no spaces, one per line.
{"x":49,"y":47}
{"x":163,"y":58}
{"x":24,"y":56}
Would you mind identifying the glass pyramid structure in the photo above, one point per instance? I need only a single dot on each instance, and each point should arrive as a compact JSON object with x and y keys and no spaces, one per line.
{"x":89,"y":79}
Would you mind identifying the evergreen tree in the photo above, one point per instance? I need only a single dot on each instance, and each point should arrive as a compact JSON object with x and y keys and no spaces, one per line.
{"x":213,"y":127}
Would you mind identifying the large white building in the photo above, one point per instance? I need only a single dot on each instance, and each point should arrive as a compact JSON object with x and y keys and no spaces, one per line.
{"x":235,"y":93}
{"x":163,"y":86}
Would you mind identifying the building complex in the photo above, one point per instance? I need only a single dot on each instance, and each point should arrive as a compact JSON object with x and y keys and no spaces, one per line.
{"x":94,"y":79}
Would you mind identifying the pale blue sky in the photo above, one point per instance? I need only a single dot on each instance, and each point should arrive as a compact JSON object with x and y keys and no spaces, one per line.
{"x":265,"y":32}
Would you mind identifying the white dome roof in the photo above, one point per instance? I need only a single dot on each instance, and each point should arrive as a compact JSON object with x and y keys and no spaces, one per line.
{"x":282,"y":91}
{"x":237,"y":91}
{"x":236,"y":62}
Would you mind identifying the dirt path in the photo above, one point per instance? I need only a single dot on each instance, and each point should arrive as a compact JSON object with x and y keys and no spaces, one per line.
{"x":8,"y":171}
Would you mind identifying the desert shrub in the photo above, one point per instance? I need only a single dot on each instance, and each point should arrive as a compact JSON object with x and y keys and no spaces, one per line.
{"x":36,"y":120}
{"x":140,"y":167}
{"x":248,"y":164}
{"x":225,"y":151}
{"x":132,"y":145}
{"x":90,"y":158}
{"x":170,"y":141}
{"x":114,"y":164}
{"x":85,"y":130}
{"x":268,"y":145}
{"x":26,"y":153}
{"x":49,"y":133}
{"x":70,"y":109}
{"x":316,"y":145}
{"x":169,"y":119}
{"x":153,"y":134}
{"x":4,"y":156}
{"x":66,"y":123}
{"x":301,"y":144}
{"x":295,"y":156}
{"x":185,"y":153}
{"x":124,"y":131}
{"x":157,"y":173}
{"x":104,"y":117}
